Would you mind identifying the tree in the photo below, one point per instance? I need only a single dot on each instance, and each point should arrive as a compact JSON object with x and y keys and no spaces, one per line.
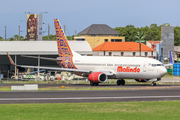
{"x":129,"y":32}
{"x":177,"y":36}
{"x":70,"y":37}
{"x":1,"y":39}
{"x":53,"y":37}
{"x":140,"y":37}
{"x":16,"y":37}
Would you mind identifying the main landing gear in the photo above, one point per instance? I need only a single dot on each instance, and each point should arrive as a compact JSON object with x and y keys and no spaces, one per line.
{"x":94,"y":84}
{"x":120,"y":82}
{"x":153,"y":83}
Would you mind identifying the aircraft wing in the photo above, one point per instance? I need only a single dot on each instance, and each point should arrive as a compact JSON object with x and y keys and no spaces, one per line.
{"x":167,"y":65}
{"x":53,"y":68}
{"x":56,"y":68}
{"x":49,"y":68}
{"x":65,"y":69}
{"x":51,"y":59}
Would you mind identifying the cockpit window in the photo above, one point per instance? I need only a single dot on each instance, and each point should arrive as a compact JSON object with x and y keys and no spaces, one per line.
{"x":154,"y":65}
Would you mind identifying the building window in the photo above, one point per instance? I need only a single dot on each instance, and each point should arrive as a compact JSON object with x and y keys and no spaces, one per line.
{"x":118,"y":40}
{"x":122,"y":53}
{"x":112,"y":40}
{"x":146,"y":54}
{"x":104,"y":53}
{"x":80,"y":39}
{"x":178,"y":55}
{"x":134,"y":54}
{"x":110,"y":53}
{"x":105,"y":40}
{"x":152,"y":53}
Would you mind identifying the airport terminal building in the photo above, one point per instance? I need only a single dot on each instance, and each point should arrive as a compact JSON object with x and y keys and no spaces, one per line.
{"x":35,"y":48}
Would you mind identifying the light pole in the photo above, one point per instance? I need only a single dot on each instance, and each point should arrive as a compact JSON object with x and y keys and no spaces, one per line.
{"x":48,"y":29}
{"x":24,"y":21}
{"x":5,"y":33}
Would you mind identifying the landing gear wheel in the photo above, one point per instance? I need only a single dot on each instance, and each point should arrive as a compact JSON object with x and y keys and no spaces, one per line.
{"x":92,"y":84}
{"x":96,"y":84}
{"x":153,"y":84}
{"x":122,"y":82}
{"x":118,"y":82}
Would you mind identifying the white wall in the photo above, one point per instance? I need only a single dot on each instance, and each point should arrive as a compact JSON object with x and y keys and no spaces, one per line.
{"x":126,"y":53}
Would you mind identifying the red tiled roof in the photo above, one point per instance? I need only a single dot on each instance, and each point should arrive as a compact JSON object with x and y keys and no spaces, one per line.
{"x":121,"y":46}
{"x":154,"y":42}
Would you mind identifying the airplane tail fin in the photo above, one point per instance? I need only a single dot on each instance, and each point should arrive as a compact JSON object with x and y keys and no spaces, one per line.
{"x":171,"y":58}
{"x":64,"y":49}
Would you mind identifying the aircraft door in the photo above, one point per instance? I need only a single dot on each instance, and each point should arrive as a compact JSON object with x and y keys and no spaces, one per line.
{"x":145,"y":66}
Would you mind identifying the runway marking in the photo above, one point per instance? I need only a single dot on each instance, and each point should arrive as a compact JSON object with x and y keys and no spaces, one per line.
{"x":85,"y":98}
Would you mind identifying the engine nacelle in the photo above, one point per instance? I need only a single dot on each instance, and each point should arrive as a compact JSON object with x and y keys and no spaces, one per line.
{"x":142,"y":80}
{"x":97,"y":77}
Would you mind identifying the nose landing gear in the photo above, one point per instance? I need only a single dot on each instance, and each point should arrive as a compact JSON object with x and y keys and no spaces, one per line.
{"x":153,"y":83}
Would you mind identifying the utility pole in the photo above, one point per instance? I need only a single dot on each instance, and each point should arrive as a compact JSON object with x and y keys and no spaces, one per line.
{"x":75,"y":32}
{"x":19,"y":32}
{"x":5,"y":33}
{"x":48,"y":30}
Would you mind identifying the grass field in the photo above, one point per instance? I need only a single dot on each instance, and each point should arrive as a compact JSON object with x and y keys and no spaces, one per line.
{"x":159,"y":110}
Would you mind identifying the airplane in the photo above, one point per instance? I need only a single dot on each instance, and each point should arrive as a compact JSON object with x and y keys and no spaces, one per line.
{"x":99,"y":68}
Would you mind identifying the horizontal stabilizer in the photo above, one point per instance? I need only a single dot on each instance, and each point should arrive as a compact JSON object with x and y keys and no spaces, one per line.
{"x":10,"y":59}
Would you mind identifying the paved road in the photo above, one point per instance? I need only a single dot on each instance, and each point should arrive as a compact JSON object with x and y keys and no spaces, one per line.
{"x":88,"y":96}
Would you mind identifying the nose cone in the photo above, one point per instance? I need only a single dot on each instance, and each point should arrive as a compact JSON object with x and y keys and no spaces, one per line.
{"x":162,"y":71}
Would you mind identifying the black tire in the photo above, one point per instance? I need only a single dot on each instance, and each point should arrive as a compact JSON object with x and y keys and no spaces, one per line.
{"x":92,"y":84}
{"x":96,"y":84}
{"x":118,"y":82}
{"x":122,"y":82}
{"x":153,"y":84}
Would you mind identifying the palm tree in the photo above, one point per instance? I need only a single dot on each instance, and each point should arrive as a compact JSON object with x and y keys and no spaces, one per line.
{"x":140,"y":37}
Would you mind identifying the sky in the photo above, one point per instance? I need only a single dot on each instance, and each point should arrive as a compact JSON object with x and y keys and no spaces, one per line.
{"x":80,"y":14}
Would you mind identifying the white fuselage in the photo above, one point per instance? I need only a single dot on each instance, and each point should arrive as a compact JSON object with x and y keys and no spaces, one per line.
{"x":122,"y":67}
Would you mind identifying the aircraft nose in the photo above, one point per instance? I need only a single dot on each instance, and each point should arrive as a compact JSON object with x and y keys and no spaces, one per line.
{"x":162,"y":71}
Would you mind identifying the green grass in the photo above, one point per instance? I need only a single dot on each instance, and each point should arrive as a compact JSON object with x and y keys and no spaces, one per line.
{"x":159,"y":110}
{"x":5,"y":88}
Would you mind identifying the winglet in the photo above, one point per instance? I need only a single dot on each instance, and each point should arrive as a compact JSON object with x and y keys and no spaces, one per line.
{"x":171,"y":59}
{"x":10,"y":59}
